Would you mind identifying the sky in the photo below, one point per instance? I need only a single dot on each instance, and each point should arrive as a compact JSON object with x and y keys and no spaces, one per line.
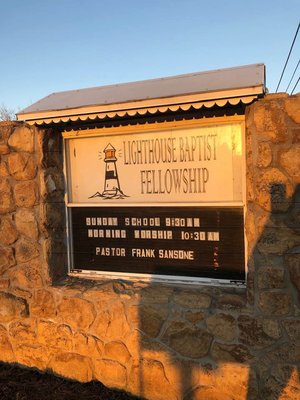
{"x":56,"y":45}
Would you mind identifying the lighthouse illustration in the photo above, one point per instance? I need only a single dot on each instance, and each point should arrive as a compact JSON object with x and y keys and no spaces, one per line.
{"x":111,"y":183}
{"x":112,"y":189}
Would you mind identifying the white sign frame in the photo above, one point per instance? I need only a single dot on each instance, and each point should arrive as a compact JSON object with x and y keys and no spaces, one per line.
{"x":157,"y":128}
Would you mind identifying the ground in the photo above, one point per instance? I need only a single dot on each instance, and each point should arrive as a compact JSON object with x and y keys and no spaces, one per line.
{"x":17,"y":383}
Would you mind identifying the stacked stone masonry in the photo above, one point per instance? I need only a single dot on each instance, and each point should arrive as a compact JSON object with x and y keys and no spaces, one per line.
{"x":161,"y":342}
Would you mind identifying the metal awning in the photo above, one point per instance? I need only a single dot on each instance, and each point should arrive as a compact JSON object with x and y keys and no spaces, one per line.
{"x":220,"y":88}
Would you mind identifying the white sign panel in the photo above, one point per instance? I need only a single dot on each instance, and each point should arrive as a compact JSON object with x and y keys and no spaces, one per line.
{"x":186,"y":165}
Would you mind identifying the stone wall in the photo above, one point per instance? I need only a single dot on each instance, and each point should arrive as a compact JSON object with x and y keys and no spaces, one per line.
{"x":157,"y":341}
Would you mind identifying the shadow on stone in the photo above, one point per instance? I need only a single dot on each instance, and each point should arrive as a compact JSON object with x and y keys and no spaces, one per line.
{"x":210,"y":342}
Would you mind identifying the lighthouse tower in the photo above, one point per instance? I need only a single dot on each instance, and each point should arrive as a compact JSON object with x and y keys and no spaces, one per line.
{"x":111,"y":183}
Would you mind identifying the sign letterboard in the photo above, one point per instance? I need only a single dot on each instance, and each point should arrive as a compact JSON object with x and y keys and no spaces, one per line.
{"x":166,"y":202}
{"x":193,"y":241}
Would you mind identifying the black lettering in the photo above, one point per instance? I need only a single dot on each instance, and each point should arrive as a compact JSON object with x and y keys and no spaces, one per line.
{"x":161,"y":190}
{"x":205,"y":177}
{"x":168,"y":181}
{"x":143,"y":181}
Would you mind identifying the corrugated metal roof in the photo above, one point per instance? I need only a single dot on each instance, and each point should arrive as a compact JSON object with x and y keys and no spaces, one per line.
{"x":201,"y":86}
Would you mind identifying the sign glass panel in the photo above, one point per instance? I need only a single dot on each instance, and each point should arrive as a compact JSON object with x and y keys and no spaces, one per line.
{"x":163,"y":203}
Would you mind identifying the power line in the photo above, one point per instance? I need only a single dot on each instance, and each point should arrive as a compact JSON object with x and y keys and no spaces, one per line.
{"x":295,"y":85}
{"x":288,"y":57}
{"x":293,"y":75}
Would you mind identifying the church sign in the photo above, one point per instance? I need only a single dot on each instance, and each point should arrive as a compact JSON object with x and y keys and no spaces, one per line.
{"x":164,"y":202}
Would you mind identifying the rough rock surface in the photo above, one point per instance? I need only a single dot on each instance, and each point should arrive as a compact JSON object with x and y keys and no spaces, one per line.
{"x":157,"y":341}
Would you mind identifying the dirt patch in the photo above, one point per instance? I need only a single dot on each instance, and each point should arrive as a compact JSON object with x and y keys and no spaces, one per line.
{"x":18,"y":383}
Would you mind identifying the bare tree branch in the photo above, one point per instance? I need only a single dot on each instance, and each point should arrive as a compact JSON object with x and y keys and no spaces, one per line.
{"x":7,"y":114}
